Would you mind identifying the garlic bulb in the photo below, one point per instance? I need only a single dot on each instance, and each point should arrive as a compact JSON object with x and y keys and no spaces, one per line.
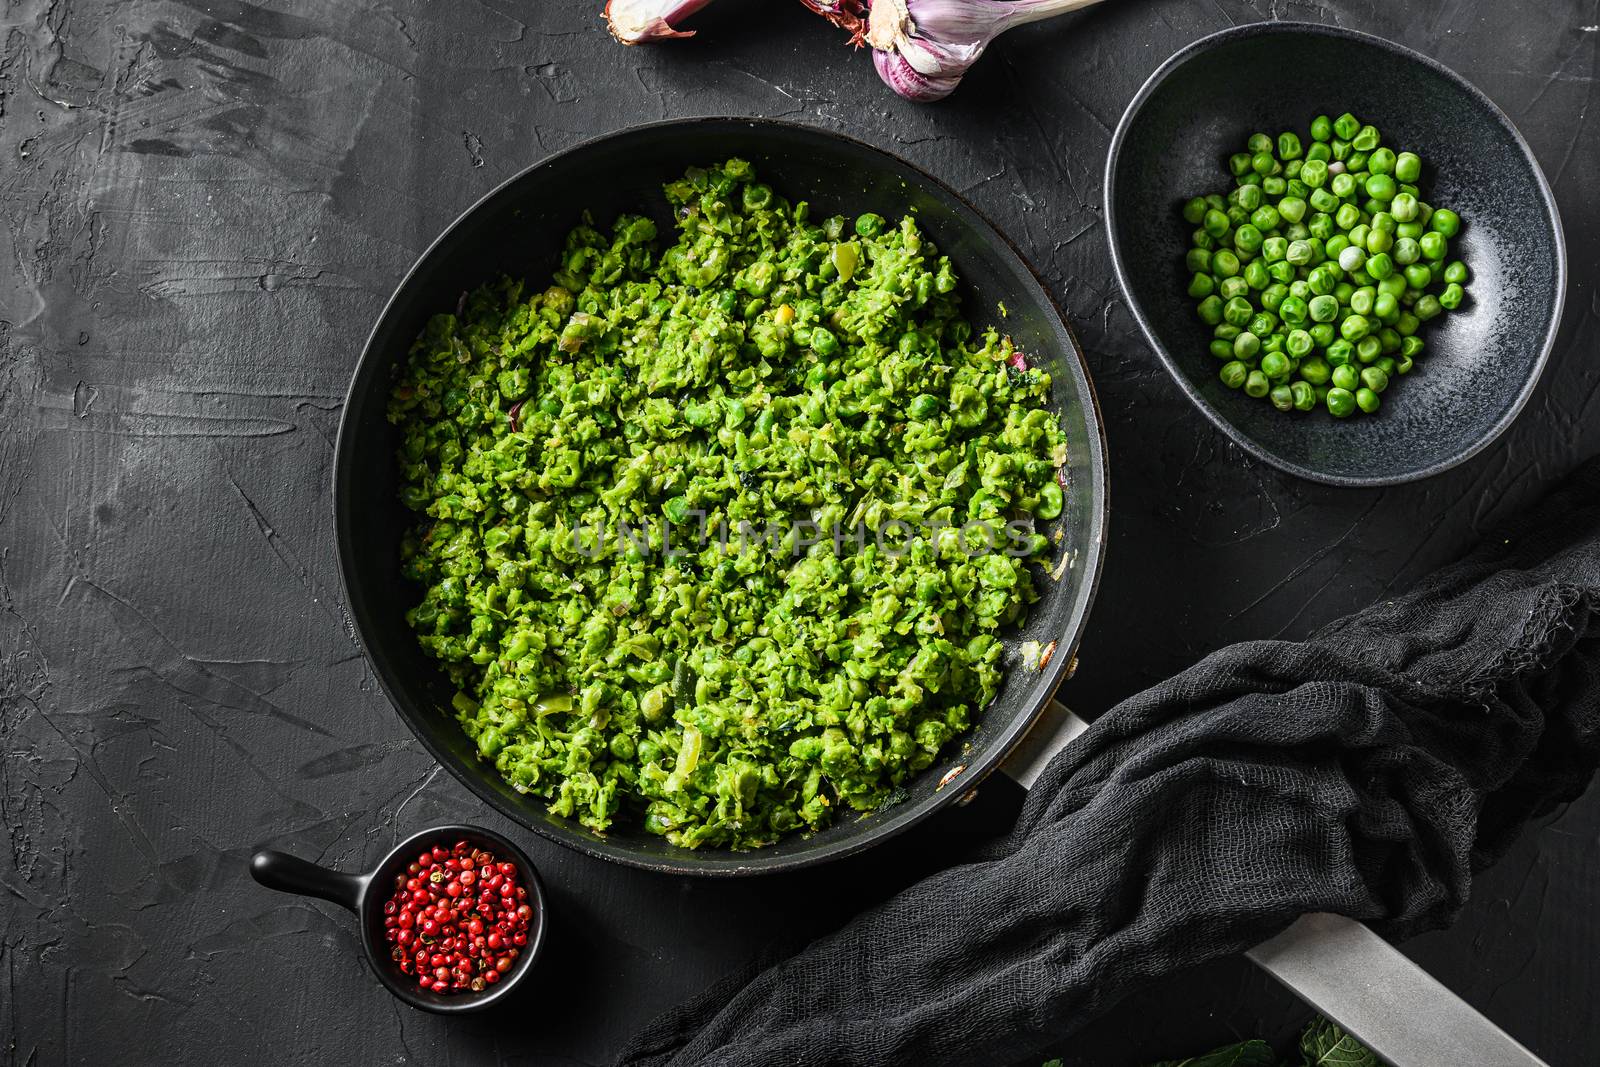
{"x":641,"y":21}
{"x":923,"y":47}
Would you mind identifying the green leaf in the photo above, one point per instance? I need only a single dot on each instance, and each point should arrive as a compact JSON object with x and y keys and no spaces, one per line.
{"x":1325,"y":1045}
{"x":1245,"y":1054}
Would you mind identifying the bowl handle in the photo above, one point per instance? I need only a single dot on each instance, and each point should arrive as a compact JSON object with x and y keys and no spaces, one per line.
{"x":291,"y":874}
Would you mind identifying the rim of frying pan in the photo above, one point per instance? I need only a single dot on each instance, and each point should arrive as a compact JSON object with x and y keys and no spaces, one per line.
{"x":693,"y":862}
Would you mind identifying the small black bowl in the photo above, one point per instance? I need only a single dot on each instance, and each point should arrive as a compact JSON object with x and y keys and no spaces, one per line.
{"x":1481,"y":361}
{"x":365,"y":895}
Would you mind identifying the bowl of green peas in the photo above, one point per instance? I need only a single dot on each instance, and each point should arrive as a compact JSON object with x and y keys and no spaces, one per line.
{"x":1344,"y":253}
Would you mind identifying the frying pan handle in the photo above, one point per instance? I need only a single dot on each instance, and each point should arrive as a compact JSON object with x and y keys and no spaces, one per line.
{"x":291,"y":874}
{"x":1335,"y":964}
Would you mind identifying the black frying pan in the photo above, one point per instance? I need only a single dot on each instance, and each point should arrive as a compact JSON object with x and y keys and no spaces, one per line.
{"x":517,"y":230}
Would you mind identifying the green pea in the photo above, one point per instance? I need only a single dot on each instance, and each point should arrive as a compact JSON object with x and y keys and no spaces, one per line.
{"x":1202,"y":239}
{"x":1292,"y":208}
{"x":1322,"y":280}
{"x":1299,"y":288}
{"x":1362,"y":299}
{"x":1404,"y":365}
{"x":1433,"y":245}
{"x":1237,"y":214}
{"x":1381,"y":161}
{"x":1297,"y":189}
{"x":1407,"y":167}
{"x":1368,"y":348}
{"x":1291,"y":169}
{"x":1380,"y":266}
{"x":1381,"y":187}
{"x":1389,"y":341}
{"x":823,"y":342}
{"x":1300,"y":253}
{"x":1345,"y":376}
{"x":1282,"y":271}
{"x":1411,"y":347}
{"x":1296,"y":231}
{"x":1319,"y":152}
{"x":1413,"y":230}
{"x":1324,"y":203}
{"x":1351,"y":259}
{"x":1258,"y":142}
{"x":1379,"y":241}
{"x":1387,"y":365}
{"x":1227,"y":331}
{"x":1340,"y":149}
{"x":1247,"y":197}
{"x":1247,"y":239}
{"x":1273,"y":185}
{"x":1275,"y":365}
{"x":1216,"y":222}
{"x":1293,"y":311}
{"x":1273,"y":343}
{"x":1341,"y":402}
{"x":1340,"y":353}
{"x":1288,"y":145}
{"x":1366,"y":139}
{"x":1297,"y":344}
{"x":1342,"y":291}
{"x":1427,"y":307}
{"x":1407,"y":324}
{"x":1233,"y":374}
{"x":1246,"y":345}
{"x":1316,"y":370}
{"x":1452,"y":296}
{"x":1263,"y":324}
{"x":1445,"y":221}
{"x":1346,"y":126}
{"x":1322,"y":334}
{"x":1302,"y":397}
{"x":1256,"y":384}
{"x":1386,"y":308}
{"x":1403,"y":207}
{"x":1273,"y":248}
{"x":1232,"y":287}
{"x":1222,"y":349}
{"x":1342,"y":185}
{"x":1263,"y":163}
{"x":871,"y":224}
{"x":1394,"y":285}
{"x":1237,"y":311}
{"x":1321,"y":128}
{"x":1456,"y":273}
{"x":1334,"y":245}
{"x":1356,"y":160}
{"x":1239,"y":164}
{"x":1383,"y":221}
{"x":1354,"y":327}
{"x":1224,"y":264}
{"x":1367,"y":400}
{"x":1347,"y":216}
{"x":1406,"y":251}
{"x":1314,"y":173}
{"x":1197,"y":259}
{"x":1272,"y":296}
{"x":1265,"y":218}
{"x":1201,"y":286}
{"x":1255,"y":275}
{"x":1418,"y":276}
{"x":1320,"y":225}
{"x":1282,"y":397}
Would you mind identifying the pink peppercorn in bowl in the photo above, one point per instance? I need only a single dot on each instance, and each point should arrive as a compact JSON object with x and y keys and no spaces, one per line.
{"x":451,"y":921}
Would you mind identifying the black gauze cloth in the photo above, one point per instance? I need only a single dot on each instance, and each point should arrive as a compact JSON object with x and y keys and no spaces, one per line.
{"x":1367,"y":770}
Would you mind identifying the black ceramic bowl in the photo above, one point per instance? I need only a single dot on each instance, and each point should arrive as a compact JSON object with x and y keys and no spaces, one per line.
{"x":1481,"y":361}
{"x":365,"y":895}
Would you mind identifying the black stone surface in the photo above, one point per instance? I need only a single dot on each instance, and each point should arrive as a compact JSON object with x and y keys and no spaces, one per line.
{"x":205,"y":205}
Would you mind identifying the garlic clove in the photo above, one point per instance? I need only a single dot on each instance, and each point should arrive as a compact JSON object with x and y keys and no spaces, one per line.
{"x":642,"y":21}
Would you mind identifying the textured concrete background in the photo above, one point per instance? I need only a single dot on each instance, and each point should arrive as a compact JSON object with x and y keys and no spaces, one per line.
{"x":205,"y":205}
